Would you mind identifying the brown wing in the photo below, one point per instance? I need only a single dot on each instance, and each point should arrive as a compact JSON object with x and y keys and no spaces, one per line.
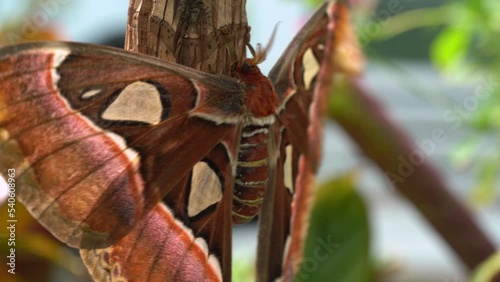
{"x":193,"y":245}
{"x":208,"y":35}
{"x":99,"y":136}
{"x":302,"y":79}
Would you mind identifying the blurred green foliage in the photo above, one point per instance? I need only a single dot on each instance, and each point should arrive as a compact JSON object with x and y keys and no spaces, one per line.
{"x":489,"y":271}
{"x":338,"y":241}
{"x":462,"y":40}
{"x":38,"y":255}
{"x":243,"y":269}
{"x":468,"y":46}
{"x":465,"y":47}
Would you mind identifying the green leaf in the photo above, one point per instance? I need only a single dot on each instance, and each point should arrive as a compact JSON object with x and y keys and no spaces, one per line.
{"x":337,"y":245}
{"x":487,"y":117}
{"x":488,"y":270}
{"x":484,"y":192}
{"x":463,"y":154}
{"x":243,"y":269}
{"x":450,"y":47}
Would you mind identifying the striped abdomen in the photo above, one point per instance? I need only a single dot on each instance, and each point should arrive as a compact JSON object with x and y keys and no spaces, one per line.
{"x":251,"y":173}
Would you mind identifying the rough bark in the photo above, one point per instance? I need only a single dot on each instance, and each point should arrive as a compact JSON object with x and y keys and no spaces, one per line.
{"x":207,"y":35}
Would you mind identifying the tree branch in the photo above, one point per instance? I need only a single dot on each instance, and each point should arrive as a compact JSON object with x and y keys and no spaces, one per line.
{"x":355,"y":109}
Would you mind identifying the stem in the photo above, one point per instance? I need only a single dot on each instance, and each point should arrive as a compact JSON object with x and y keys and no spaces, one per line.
{"x":386,"y":144}
{"x":419,"y":18}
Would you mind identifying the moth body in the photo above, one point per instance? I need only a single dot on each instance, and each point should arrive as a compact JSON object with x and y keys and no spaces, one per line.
{"x":252,"y":172}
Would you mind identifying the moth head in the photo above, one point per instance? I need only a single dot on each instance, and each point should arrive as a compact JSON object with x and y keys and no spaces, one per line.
{"x":246,"y":70}
{"x":259,"y":55}
{"x":249,"y":65}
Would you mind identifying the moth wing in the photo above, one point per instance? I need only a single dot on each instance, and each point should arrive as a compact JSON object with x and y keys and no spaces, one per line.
{"x":302,"y":79}
{"x":193,"y":247}
{"x":98,"y":136}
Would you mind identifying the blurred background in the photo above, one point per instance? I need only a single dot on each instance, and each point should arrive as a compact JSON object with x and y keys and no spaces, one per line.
{"x":431,"y":65}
